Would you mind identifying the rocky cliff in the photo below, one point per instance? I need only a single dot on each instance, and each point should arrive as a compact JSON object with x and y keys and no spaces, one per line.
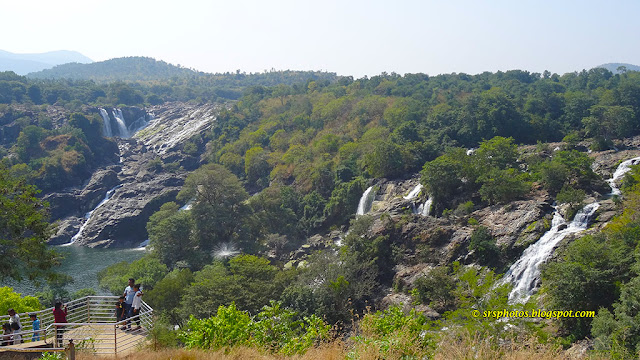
{"x":151,"y":171}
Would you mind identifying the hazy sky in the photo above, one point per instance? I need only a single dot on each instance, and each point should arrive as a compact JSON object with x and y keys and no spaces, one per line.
{"x":348,"y":37}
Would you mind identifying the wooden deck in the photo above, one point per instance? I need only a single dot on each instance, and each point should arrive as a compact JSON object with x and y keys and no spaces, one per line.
{"x":99,"y":339}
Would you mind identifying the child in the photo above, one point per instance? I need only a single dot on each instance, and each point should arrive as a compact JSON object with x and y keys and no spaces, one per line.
{"x":17,"y":335}
{"x":7,"y":335}
{"x":137,"y":304}
{"x":35,"y":327}
{"x":120,"y":309}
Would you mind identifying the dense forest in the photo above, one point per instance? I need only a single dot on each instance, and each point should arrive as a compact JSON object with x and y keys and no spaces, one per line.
{"x":289,"y":159}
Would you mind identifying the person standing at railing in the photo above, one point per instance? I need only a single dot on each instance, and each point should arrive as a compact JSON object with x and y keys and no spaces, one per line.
{"x":17,"y":334}
{"x":120,"y":310}
{"x":59,"y":317}
{"x":7,"y":335}
{"x":35,"y":327}
{"x":137,"y":304}
{"x":14,"y":318}
{"x":129,"y":294}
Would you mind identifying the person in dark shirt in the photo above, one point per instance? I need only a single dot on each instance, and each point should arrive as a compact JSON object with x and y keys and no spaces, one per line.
{"x":59,"y":316}
{"x":120,"y":309}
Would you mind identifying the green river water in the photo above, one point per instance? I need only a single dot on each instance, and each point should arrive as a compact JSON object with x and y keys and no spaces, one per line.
{"x":83,"y":264}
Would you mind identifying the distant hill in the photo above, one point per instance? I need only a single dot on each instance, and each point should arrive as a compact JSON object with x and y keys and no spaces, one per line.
{"x":613,"y":67}
{"x":23,"y":64}
{"x":125,"y":69}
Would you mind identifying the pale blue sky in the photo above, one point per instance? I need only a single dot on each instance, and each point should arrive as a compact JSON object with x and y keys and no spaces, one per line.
{"x":348,"y":37}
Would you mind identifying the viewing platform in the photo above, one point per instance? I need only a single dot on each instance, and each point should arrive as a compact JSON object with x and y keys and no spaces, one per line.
{"x":91,"y":326}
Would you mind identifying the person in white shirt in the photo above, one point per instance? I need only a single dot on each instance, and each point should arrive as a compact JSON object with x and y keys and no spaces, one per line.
{"x":14,"y":318}
{"x":129,"y":294}
{"x":137,"y":304}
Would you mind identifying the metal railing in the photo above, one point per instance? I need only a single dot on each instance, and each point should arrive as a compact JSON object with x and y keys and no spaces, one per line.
{"x":91,"y":324}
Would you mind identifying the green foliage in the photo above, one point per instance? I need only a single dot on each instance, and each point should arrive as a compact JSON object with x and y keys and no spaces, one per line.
{"x":573,"y":197}
{"x":394,"y":334}
{"x":21,"y":304}
{"x":275,"y":328}
{"x":219,"y":205}
{"x":484,"y":246}
{"x":587,"y":278}
{"x":83,"y":293}
{"x":52,"y":356}
{"x":166,"y":295}
{"x":24,"y":230}
{"x":246,"y":280}
{"x":169,"y":235}
{"x":435,"y":289}
{"x":503,"y":186}
{"x":147,"y":271}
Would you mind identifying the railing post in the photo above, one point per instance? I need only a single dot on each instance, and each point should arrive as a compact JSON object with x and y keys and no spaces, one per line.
{"x":88,"y":309}
{"x":115,"y":340}
{"x":71,"y":351}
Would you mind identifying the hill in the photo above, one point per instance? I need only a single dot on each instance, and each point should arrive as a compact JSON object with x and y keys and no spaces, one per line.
{"x":25,"y":63}
{"x":125,"y":69}
{"x":613,"y":67}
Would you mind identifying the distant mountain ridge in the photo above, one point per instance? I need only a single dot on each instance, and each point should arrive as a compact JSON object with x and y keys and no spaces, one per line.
{"x":613,"y":67}
{"x":133,"y":68}
{"x":23,"y":64}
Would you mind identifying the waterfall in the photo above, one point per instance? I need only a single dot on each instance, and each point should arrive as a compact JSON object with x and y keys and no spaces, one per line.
{"x":425,"y":208}
{"x":525,"y":273}
{"x":122,"y":126}
{"x":413,"y":193}
{"x":622,"y":169}
{"x":106,"y":123}
{"x":87,"y":216}
{"x":366,"y":201}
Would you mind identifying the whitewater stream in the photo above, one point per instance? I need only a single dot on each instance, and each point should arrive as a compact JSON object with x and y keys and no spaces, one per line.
{"x":524,"y":274}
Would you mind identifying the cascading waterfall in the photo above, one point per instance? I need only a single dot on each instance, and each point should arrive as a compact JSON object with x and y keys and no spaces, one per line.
{"x":525,"y":273}
{"x":122,"y":126}
{"x":425,"y":209}
{"x":106,"y":123}
{"x":87,"y":216}
{"x":366,"y":201}
{"x":413,"y":193}
{"x":622,"y":169}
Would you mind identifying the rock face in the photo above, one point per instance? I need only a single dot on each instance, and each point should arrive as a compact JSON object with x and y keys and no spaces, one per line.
{"x":121,"y":221}
{"x":138,"y":185}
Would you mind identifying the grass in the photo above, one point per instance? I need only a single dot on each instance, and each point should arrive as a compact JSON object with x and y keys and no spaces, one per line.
{"x":449,"y":348}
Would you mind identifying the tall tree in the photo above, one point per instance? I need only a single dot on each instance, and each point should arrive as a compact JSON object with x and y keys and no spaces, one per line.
{"x":24,"y":230}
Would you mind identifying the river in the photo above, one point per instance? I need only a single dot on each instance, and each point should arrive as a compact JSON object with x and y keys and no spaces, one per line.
{"x":82,"y":264}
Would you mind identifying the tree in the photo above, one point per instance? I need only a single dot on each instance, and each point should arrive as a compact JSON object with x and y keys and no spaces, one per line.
{"x":13,"y":300}
{"x":169,"y":232}
{"x":24,"y":230}
{"x":219,"y":205}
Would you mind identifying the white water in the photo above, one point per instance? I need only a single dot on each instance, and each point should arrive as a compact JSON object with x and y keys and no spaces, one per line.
{"x":122,"y":126}
{"x":187,"y":206}
{"x":106,"y":123}
{"x":140,"y":124}
{"x":622,"y":169}
{"x":425,"y":209}
{"x":365,"y":201}
{"x":87,"y":216}
{"x":525,"y":273}
{"x":413,"y":193}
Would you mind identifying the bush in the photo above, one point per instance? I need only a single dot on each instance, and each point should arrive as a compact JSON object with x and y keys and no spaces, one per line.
{"x":484,"y":246}
{"x":278,"y":329}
